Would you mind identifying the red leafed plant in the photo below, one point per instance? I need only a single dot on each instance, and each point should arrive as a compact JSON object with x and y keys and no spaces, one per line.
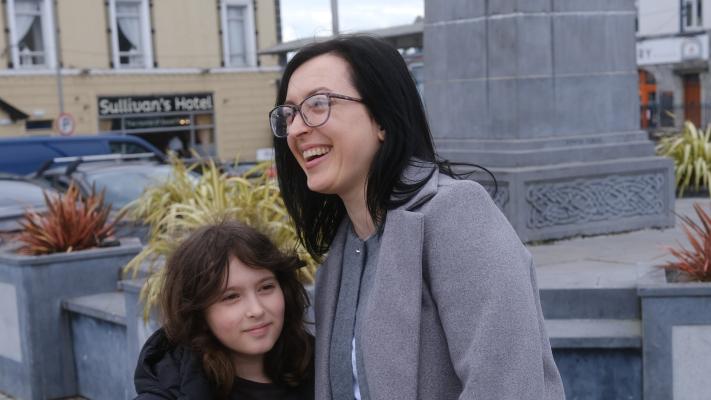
{"x":694,"y":262}
{"x":70,"y":223}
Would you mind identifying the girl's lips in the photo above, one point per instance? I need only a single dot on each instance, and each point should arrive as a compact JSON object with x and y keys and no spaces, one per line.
{"x":259,"y":330}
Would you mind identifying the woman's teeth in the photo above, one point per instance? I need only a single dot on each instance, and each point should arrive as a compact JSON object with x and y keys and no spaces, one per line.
{"x":314,"y":152}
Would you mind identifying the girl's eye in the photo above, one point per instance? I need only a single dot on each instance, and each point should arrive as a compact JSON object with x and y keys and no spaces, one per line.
{"x":267,"y":287}
{"x":230,"y":296}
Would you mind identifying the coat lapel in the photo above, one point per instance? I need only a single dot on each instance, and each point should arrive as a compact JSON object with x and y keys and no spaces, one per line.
{"x":391,"y":330}
{"x":328,"y":282}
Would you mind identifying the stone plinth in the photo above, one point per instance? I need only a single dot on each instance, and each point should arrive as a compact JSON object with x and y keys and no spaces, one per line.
{"x":544,"y":93}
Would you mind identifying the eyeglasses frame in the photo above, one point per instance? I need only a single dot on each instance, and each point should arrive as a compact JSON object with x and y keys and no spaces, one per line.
{"x":297,"y":108}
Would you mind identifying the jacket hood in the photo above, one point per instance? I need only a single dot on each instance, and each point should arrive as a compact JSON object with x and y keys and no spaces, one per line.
{"x":165,"y":371}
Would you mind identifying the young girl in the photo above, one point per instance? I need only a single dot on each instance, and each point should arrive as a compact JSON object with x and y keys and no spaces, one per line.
{"x":233,"y":323}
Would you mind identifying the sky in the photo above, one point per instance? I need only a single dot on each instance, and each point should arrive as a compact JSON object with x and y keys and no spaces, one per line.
{"x":307,"y":18}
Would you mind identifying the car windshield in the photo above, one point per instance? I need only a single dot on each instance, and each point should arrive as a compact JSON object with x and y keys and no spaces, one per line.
{"x":14,"y":194}
{"x":124,"y":185}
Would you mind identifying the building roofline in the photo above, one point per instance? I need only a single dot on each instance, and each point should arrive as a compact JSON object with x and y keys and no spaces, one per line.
{"x":400,"y":36}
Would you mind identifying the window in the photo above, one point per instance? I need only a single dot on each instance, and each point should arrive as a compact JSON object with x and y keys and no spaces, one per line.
{"x":238,"y":33}
{"x":31,"y":33}
{"x":130,"y":34}
{"x":692,"y":14}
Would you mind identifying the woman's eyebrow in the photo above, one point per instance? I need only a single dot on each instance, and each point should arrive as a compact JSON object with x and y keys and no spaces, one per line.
{"x":319,"y":89}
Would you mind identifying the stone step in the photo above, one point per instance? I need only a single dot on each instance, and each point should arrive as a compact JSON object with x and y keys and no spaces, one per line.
{"x":593,"y":288}
{"x":594,"y":333}
{"x":590,"y":303}
{"x":109,"y":306}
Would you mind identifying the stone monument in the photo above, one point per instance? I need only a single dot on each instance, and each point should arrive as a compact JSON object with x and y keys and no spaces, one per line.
{"x":544,"y":94}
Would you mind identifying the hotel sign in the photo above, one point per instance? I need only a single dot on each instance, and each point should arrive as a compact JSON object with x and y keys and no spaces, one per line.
{"x":132,"y":105}
{"x":672,"y":50}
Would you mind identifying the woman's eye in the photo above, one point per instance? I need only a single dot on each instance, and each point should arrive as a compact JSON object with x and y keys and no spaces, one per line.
{"x":267,"y":287}
{"x":318,"y":103}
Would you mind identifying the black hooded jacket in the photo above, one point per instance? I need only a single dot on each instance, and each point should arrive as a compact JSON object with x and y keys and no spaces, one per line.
{"x":167,"y":372}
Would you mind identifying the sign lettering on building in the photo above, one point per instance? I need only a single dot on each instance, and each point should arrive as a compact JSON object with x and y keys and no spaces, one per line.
{"x":672,"y":50}
{"x":131,"y":105}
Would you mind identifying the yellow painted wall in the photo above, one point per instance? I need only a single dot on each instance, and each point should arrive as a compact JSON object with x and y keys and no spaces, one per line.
{"x":186,"y":33}
{"x":83,"y":36}
{"x":4,"y":39}
{"x":242,"y":101}
{"x":266,"y":26}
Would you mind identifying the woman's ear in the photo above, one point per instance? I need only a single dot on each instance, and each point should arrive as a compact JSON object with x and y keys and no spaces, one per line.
{"x":381,"y":135}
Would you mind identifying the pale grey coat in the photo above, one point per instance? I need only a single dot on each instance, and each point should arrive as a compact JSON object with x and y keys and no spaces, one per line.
{"x":454,"y":311}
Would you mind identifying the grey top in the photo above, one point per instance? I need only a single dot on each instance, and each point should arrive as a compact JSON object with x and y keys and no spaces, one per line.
{"x":359,"y":262}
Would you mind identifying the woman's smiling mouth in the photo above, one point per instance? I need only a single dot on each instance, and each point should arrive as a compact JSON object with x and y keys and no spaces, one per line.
{"x":315,"y":152}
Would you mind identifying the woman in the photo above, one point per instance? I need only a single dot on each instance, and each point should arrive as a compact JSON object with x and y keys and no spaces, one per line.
{"x":233,"y":322}
{"x":426,"y":292}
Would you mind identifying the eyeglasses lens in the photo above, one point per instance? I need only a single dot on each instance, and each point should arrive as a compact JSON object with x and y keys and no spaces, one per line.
{"x":280,"y":119}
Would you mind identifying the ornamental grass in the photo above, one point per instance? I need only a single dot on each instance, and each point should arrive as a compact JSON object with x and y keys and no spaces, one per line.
{"x":186,"y":201}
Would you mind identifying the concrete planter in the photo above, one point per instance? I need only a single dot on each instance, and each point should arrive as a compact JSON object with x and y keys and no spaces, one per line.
{"x":36,"y":354}
{"x":137,"y":329}
{"x":676,"y":327}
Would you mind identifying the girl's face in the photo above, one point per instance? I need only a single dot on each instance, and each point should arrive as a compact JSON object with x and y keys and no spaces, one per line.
{"x":249,"y":315}
{"x":337,"y":155}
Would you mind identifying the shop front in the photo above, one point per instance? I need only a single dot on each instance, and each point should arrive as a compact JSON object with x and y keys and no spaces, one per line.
{"x":182,"y":122}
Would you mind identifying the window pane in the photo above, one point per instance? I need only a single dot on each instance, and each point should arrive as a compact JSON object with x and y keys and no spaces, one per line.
{"x":28,"y":7}
{"x":127,"y":8}
{"x":236,"y":38}
{"x":28,"y":25}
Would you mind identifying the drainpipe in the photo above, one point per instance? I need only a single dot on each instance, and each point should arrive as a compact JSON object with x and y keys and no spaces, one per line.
{"x":334,"y":17}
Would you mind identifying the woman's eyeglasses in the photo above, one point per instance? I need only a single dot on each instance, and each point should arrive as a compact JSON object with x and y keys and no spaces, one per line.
{"x":314,"y":111}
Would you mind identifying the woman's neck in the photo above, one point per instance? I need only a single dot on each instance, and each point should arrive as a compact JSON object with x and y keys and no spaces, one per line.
{"x":250,"y":368}
{"x":357,"y":210}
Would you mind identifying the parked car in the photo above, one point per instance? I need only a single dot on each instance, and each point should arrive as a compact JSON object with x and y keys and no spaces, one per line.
{"x":17,"y":195}
{"x":24,"y":155}
{"x":123,"y":179}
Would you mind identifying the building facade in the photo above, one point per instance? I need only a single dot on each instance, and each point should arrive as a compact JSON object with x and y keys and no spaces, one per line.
{"x":673,"y":61}
{"x":179,"y":73}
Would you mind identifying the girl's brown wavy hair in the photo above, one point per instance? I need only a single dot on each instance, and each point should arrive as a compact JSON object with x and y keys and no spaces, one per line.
{"x":196,"y":274}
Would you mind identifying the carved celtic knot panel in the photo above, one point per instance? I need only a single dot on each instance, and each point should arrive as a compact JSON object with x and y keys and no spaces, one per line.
{"x":597,"y":199}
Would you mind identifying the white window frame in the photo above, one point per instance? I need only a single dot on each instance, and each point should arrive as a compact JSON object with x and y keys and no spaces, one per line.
{"x":696,"y":17}
{"x":250,"y":37}
{"x":48,"y":32}
{"x":146,"y":42}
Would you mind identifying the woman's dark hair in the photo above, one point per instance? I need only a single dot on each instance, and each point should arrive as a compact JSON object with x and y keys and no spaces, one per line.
{"x":195,"y":276}
{"x":380,"y":75}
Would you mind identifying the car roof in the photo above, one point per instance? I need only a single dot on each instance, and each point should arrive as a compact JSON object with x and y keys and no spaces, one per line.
{"x":105,"y":165}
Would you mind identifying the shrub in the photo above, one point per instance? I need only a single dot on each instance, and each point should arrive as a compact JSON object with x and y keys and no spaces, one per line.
{"x":71,"y":223}
{"x":694,"y":262}
{"x":691,"y":153}
{"x":185,"y":202}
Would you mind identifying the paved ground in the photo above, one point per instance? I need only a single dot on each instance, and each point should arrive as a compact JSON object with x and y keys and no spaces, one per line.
{"x":609,"y":260}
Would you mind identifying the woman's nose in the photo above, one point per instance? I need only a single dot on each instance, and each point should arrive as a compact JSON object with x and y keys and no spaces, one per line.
{"x":297,"y":126}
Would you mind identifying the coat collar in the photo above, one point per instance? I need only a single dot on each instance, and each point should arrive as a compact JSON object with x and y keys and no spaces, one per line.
{"x":416,"y":171}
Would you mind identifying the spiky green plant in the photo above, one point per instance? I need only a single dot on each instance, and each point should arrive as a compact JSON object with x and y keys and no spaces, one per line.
{"x":691,"y":151}
{"x":184,"y":203}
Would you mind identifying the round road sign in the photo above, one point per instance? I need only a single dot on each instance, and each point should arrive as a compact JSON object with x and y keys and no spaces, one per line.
{"x":65,"y":124}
